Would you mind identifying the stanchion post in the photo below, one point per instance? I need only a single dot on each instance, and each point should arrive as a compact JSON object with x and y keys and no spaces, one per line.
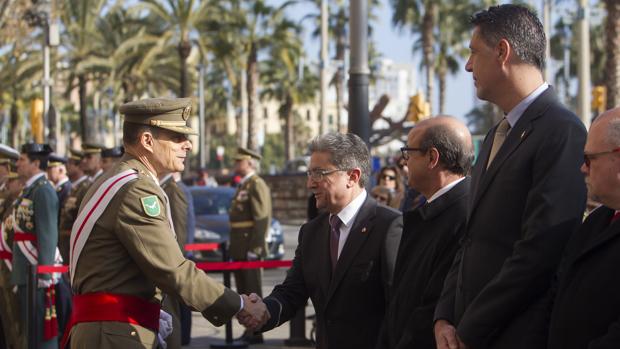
{"x":31,"y":306}
{"x":229,"y":342}
{"x":297,"y":334}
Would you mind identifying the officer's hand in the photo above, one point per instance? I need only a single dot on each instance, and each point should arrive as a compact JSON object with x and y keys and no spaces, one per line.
{"x":254,"y":313}
{"x":445,"y":336}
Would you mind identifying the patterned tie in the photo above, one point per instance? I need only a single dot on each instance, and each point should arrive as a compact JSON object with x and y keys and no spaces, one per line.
{"x":498,"y":140}
{"x":334,"y":237}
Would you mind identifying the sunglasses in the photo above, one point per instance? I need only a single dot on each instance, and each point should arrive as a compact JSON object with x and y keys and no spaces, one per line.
{"x":381,"y":198}
{"x":392,"y":178}
{"x":588,"y":157}
{"x":406,"y":150}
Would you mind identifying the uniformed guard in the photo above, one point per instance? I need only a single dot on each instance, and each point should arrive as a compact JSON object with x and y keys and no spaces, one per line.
{"x":8,"y":156}
{"x":9,"y":309}
{"x":110,"y":156}
{"x":178,"y":210}
{"x":68,"y":212}
{"x":57,"y":174}
{"x":250,"y":218}
{"x":91,"y":161}
{"x":35,"y":225}
{"x":123,"y":245}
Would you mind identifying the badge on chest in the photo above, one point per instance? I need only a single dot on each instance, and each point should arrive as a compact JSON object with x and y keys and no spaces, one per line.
{"x":25,"y":214}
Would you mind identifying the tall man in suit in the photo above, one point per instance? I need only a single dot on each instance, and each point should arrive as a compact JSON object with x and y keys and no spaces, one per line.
{"x":439,"y":155}
{"x":527,"y":193}
{"x":587,"y":302}
{"x":341,"y":262}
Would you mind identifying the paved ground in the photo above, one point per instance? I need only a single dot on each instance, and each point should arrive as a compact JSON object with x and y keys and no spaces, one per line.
{"x":204,"y":334}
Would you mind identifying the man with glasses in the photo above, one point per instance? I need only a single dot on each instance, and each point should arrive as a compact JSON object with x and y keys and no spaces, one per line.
{"x":527,"y":192}
{"x":439,"y":155}
{"x":588,"y":286}
{"x":345,"y":256}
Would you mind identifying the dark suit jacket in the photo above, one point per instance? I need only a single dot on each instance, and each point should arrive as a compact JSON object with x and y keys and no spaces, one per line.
{"x":523,"y":210}
{"x":586,"y":312}
{"x":430,"y":239}
{"x":350,"y":304}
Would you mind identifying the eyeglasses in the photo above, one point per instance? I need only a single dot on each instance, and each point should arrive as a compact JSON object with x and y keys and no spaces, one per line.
{"x":405,"y":151}
{"x":392,"y":178}
{"x":588,"y":157}
{"x":317,"y":175}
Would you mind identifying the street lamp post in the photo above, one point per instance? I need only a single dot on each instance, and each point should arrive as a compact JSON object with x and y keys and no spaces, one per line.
{"x":359,"y":121}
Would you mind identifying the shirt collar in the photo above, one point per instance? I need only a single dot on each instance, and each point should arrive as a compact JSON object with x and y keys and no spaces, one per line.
{"x":165,"y":179}
{"x":348,"y":213}
{"x":445,"y":189}
{"x":247,"y":176}
{"x":515,"y":114}
{"x":97,"y":175}
{"x":34,"y":178}
{"x":62,"y":181}
{"x":80,"y":180}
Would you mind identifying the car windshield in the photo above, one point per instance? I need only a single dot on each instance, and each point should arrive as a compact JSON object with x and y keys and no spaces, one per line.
{"x":210,"y":203}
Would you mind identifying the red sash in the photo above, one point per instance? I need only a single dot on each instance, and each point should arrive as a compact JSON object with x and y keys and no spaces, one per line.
{"x":96,"y":307}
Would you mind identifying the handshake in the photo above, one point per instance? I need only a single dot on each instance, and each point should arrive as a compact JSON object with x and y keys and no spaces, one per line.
{"x":254,"y":313}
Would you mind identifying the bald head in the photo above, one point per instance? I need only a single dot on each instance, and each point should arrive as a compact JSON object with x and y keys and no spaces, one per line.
{"x":452,"y":140}
{"x":607,"y":126}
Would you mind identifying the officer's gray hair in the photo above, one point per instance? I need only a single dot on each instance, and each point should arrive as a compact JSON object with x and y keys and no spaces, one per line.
{"x":613,"y":131}
{"x":347,"y":151}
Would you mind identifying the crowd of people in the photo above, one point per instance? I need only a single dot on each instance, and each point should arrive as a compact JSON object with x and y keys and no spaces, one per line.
{"x":442,"y":253}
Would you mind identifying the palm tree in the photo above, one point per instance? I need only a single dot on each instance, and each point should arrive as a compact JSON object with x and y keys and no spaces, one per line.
{"x":282,"y":82}
{"x":421,"y":17}
{"x":180,"y":19}
{"x":612,"y":39}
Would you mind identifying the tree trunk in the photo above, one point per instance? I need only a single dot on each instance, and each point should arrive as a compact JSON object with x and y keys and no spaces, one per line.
{"x":252,"y":82}
{"x":428,"y":43}
{"x":14,"y":124}
{"x":86,"y":131}
{"x":184,"y":49}
{"x":289,"y":128}
{"x":442,"y":72}
{"x":612,"y":38}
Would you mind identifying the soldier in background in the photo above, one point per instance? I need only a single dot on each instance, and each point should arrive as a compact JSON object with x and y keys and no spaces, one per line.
{"x":9,"y":310}
{"x":91,"y":162}
{"x":68,"y":213}
{"x":110,"y":156}
{"x":250,"y":218}
{"x":178,"y":211}
{"x":57,"y":174}
{"x":35,"y":239}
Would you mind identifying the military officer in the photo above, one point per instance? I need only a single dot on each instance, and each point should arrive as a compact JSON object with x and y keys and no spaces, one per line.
{"x":91,"y":161}
{"x":57,"y":174}
{"x":250,"y":218}
{"x":9,"y":310}
{"x":110,"y":156}
{"x":8,"y":156}
{"x":36,"y":237}
{"x":124,"y":246}
{"x":80,"y":183}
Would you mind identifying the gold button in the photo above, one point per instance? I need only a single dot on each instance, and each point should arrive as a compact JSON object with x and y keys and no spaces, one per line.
{"x":133,"y":333}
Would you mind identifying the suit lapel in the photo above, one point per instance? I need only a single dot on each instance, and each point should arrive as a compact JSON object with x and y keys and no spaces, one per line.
{"x":603,"y":232}
{"x":518,"y":134}
{"x":357,"y":236}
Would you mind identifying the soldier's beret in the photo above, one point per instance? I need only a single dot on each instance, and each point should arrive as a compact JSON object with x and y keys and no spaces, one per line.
{"x":92,"y":148}
{"x":8,"y":153}
{"x":36,"y":149}
{"x":56,"y":160}
{"x":243,"y":153}
{"x":75,"y":154}
{"x":114,"y":152}
{"x":167,"y":113}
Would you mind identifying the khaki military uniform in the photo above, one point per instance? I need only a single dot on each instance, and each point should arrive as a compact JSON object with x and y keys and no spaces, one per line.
{"x":9,"y":306}
{"x":68,"y":214}
{"x":178,"y":211}
{"x":250,"y":218}
{"x":131,"y":251}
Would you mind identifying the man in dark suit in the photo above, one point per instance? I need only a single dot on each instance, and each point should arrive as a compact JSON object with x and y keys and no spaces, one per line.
{"x":586,"y":311}
{"x":527,"y":193}
{"x":439,"y":155}
{"x":345,"y":256}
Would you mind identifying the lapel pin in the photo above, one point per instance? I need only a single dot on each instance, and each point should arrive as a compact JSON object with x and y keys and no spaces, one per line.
{"x":364,"y":230}
{"x":523,"y":134}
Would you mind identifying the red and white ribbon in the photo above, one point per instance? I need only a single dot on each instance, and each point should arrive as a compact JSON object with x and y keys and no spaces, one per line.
{"x":5,"y":250}
{"x":92,"y":210}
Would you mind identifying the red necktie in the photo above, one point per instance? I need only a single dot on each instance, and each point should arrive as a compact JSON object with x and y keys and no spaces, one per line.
{"x":615,"y":217}
{"x":334,"y":238}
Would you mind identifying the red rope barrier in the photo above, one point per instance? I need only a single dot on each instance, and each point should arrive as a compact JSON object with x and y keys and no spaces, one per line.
{"x":207,"y":266}
{"x":202,"y":247}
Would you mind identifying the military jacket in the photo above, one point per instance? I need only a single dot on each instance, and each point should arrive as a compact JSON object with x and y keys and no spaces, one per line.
{"x":250,"y":218}
{"x":131,"y":250}
{"x":36,"y":212}
{"x":63,"y":190}
{"x":6,"y":217}
{"x":69,"y":211}
{"x":178,"y":209}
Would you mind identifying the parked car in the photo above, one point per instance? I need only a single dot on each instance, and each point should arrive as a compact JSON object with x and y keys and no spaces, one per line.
{"x":211,"y":205}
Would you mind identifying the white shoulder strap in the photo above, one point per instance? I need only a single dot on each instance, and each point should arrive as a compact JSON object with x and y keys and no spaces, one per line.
{"x":93,"y":209}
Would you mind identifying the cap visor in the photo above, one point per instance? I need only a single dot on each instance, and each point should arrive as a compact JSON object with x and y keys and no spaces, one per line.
{"x":181,"y":129}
